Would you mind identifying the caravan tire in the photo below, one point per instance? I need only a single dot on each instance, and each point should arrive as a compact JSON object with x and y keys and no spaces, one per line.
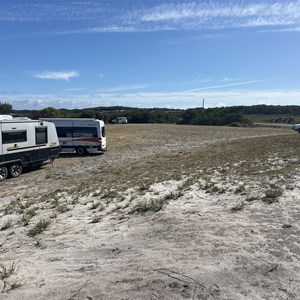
{"x":3,"y":173}
{"x":80,"y":151}
{"x":15,"y":170}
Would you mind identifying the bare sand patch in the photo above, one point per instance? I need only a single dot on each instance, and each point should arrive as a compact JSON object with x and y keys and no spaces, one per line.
{"x":169,"y":212}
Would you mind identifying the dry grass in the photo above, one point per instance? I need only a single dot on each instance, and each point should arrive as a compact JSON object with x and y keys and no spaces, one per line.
{"x":244,"y":157}
{"x":140,"y":155}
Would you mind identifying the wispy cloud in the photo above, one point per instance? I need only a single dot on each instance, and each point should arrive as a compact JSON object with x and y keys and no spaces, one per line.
{"x":289,"y":29}
{"x":155,"y":15}
{"x":195,"y":15}
{"x":212,"y":87}
{"x":61,"y":75}
{"x":74,"y":90}
{"x":124,"y":88}
{"x":36,"y":10}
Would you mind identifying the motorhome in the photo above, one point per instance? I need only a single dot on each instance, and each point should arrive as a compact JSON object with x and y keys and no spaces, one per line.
{"x":80,"y":135}
{"x":25,"y":143}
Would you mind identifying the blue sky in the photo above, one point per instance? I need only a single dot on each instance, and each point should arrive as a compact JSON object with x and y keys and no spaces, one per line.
{"x":142,"y":53}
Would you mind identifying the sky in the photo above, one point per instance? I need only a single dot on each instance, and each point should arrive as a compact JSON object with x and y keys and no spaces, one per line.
{"x":149,"y":53}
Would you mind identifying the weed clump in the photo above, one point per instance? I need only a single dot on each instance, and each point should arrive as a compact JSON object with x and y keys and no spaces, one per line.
{"x":39,"y":227}
{"x":6,"y":225}
{"x":153,"y":205}
{"x":24,"y":220}
{"x":96,"y":219}
{"x":6,"y":272}
{"x":95,"y":205}
{"x":272,"y":195}
{"x":240,"y":206}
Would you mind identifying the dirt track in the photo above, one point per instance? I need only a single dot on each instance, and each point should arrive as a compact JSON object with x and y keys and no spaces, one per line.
{"x":216,"y":234}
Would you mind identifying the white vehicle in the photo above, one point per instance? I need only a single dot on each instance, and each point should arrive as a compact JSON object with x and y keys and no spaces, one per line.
{"x":296,"y":127}
{"x":25,"y":142}
{"x":80,"y":135}
{"x":119,"y":120}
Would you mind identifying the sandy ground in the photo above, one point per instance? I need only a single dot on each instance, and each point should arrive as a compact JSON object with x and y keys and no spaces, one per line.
{"x":214,"y":237}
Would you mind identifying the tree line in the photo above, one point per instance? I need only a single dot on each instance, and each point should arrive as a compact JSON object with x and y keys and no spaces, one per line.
{"x":234,"y":115}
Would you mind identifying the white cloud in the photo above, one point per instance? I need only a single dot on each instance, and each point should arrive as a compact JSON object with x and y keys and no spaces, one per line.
{"x":176,"y":99}
{"x":62,"y":75}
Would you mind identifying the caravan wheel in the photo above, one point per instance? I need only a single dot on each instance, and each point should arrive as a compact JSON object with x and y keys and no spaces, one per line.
{"x":15,"y":170}
{"x":3,"y":173}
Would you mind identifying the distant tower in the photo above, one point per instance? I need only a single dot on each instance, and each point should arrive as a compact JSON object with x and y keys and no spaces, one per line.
{"x":203,"y":103}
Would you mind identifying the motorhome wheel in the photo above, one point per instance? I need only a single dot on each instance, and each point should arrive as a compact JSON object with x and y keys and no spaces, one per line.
{"x":80,"y":151}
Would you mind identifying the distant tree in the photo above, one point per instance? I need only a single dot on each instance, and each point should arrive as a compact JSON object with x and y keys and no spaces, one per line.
{"x":5,"y":108}
{"x":101,"y":116}
{"x":50,"y":112}
{"x":213,"y":116}
{"x":88,"y":113}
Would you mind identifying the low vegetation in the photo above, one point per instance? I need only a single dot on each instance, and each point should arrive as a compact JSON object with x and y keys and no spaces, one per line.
{"x":272,"y":195}
{"x":5,"y":273}
{"x":153,"y":205}
{"x":6,"y":225}
{"x":39,"y":227}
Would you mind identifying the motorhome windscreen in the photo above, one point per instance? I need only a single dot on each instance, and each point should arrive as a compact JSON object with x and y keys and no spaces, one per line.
{"x":41,"y":135}
{"x":9,"y":137}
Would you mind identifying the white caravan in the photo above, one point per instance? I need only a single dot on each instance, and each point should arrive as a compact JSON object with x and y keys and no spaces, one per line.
{"x":119,"y":120}
{"x":80,"y":135}
{"x":296,"y":127}
{"x":25,"y":142}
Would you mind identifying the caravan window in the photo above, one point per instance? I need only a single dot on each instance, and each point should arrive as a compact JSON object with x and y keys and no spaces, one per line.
{"x":41,"y":135}
{"x":10,"y":137}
